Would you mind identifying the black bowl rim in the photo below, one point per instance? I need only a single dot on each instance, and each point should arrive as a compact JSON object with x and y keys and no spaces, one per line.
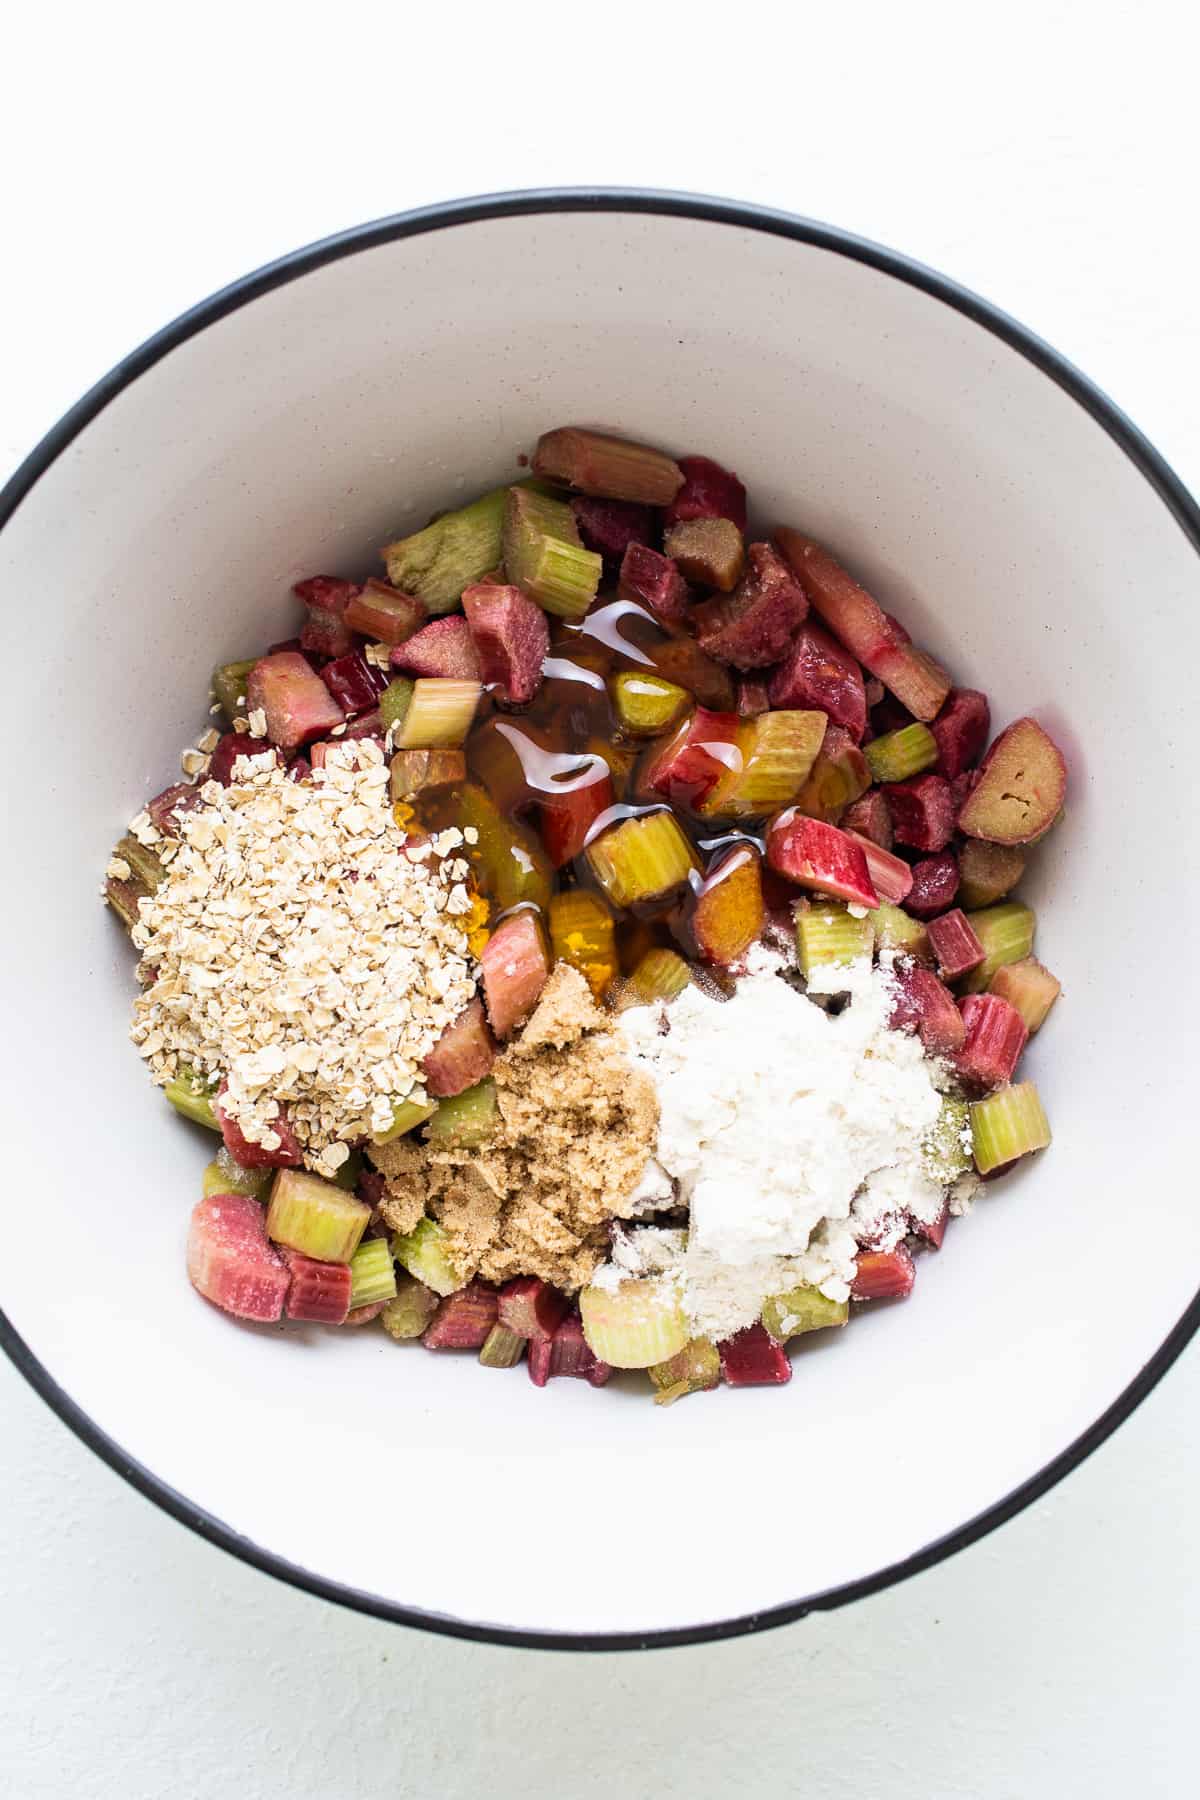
{"x":749,"y":216}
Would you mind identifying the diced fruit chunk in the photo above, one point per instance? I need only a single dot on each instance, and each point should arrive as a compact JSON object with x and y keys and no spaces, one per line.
{"x":512,"y":640}
{"x":229,"y":687}
{"x":531,"y":1308}
{"x":439,"y":714}
{"x":315,"y":1216}
{"x":934,"y":885}
{"x":884,"y":1274}
{"x":406,"y":1317}
{"x":661,"y":974}
{"x":1006,"y":1125}
{"x":194,"y":1097}
{"x":922,"y":812}
{"x":651,"y":578}
{"x":516,"y":967}
{"x":1019,"y":794}
{"x":443,"y":648}
{"x":891,"y":877}
{"x":568,"y":810}
{"x":230,"y":747}
{"x":406,"y":1116}
{"x":819,"y":856}
{"x":413,"y":771}
{"x":701,"y":752}
{"x":828,"y":937}
{"x":987,"y":872}
{"x":839,"y":776}
{"x":231,"y":1263}
{"x":1028,"y":986}
{"x":501,"y":1348}
{"x":320,"y":1291}
{"x":326,"y":630}
{"x":382,"y":612}
{"x":611,"y":468}
{"x":459,"y":548}
{"x":693,"y":1370}
{"x":708,"y":492}
{"x":709,"y":551}
{"x":921,"y":1003}
{"x":955,"y":946}
{"x":543,"y":554}
{"x":372,"y":1274}
{"x":166,"y":808}
{"x":816,"y":671}
{"x":251,"y":1154}
{"x":225,"y":1176}
{"x":508,"y":862}
{"x":894,"y":930}
{"x":425,"y":1253}
{"x":995,"y":1038}
{"x":582,"y":933}
{"x":468,"y":1119}
{"x":297,"y":704}
{"x":752,"y":1358}
{"x":899,"y":754}
{"x":462,"y":1056}
{"x":680,"y":659}
{"x":960,"y":731}
{"x":464,"y":1320}
{"x":646,"y":704}
{"x":566,"y":1353}
{"x":635,"y":1324}
{"x":800,"y":1310}
{"x":946,"y":1152}
{"x":869,"y":817}
{"x":642,"y":859}
{"x":728,"y":913}
{"x":1006,"y":933}
{"x":753,"y":625}
{"x":354,"y":684}
{"x":777,"y":753}
{"x":610,"y":526}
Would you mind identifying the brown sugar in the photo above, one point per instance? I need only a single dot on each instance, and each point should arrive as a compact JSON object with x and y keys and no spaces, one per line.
{"x":577,"y":1124}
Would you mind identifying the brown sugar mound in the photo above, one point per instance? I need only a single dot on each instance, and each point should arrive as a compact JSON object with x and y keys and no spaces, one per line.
{"x":577,"y":1124}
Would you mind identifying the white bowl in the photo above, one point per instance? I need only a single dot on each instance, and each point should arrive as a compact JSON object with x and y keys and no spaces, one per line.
{"x":1024,"y":532}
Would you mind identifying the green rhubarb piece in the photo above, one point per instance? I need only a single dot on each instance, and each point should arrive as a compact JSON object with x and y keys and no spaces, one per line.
{"x":439,"y":714}
{"x":1007,"y":1124}
{"x":456,"y":550}
{"x":1030,"y":987}
{"x":802,"y":1309}
{"x":986,"y":872}
{"x":829,"y":936}
{"x":897,"y":930}
{"x":946,"y":1151}
{"x":315,"y":1217}
{"x":372,"y":1273}
{"x":507,"y":861}
{"x":777,"y":754}
{"x":1006,"y":933}
{"x":192,"y":1095}
{"x":502,"y":1348}
{"x":544,"y":555}
{"x":690,"y":1371}
{"x":406,"y":1317}
{"x":634,"y":1325}
{"x":898,"y":754}
{"x":641,"y":859}
{"x":406,"y":1115}
{"x":646,"y":704}
{"x":468,"y":1119}
{"x":146,"y":873}
{"x":225,"y":1176}
{"x":660,"y":975}
{"x":394,"y":702}
{"x":229,"y":687}
{"x":424,"y":1253}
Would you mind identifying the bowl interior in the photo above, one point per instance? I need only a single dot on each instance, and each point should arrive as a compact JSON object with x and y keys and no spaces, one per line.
{"x":1016,"y":539}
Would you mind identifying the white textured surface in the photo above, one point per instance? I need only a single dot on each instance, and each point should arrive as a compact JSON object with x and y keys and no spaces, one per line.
{"x":1058,"y":1656}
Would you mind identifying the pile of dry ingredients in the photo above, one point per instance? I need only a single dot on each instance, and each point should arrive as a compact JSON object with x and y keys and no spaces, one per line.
{"x":299,"y":950}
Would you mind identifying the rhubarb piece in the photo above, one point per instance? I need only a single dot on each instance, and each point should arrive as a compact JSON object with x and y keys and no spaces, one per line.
{"x":899,"y":754}
{"x":1006,"y":1125}
{"x":299,"y":769}
{"x":752,"y":1358}
{"x":367,"y":725}
{"x":635,"y":1324}
{"x":659,"y":975}
{"x":685,"y":769}
{"x":462,"y":1056}
{"x":609,"y":527}
{"x":752,"y":697}
{"x":394,"y":703}
{"x":680,"y":659}
{"x":439,"y":714}
{"x":298,"y":706}
{"x":283,"y":1153}
{"x":582,"y":934}
{"x":320,"y":1291}
{"x":425,"y":1253}
{"x":946,"y":1151}
{"x":194,"y":1096}
{"x":511,"y":638}
{"x":229,"y":687}
{"x":800,"y":1310}
{"x":406,"y":1317}
{"x":819,"y":856}
{"x":502,"y":1348}
{"x":382,"y":612}
{"x":567,"y":813}
{"x":544,"y":555}
{"x":413,"y":771}
{"x":516,"y":967}
{"x":869,"y":817}
{"x":372,"y":1274}
{"x":828,"y":937}
{"x":894,"y":930}
{"x":408,"y":1114}
{"x":956,"y":948}
{"x":566,"y":1353}
{"x":646,"y":704}
{"x":755,"y":624}
{"x":464,"y":1320}
{"x":1029,"y":987}
{"x":921,"y":1003}
{"x":610,"y":468}
{"x":987,"y":872}
{"x":364,"y":1315}
{"x":531,"y":1308}
{"x":146,"y":873}
{"x":708,"y":492}
{"x":229,"y":748}
{"x":923,"y":812}
{"x":467,"y":1119}
{"x":461,"y":547}
{"x":1006,"y":933}
{"x":934,"y":885}
{"x":864,"y":628}
{"x":652,"y":579}
{"x":231,"y":1263}
{"x":444,"y":648}
{"x":816,"y":671}
{"x":960,"y":731}
{"x":225,"y":1176}
{"x":709,"y":551}
{"x":165,"y":808}
{"x":839,"y":777}
{"x":883,"y":1274}
{"x":728,"y":912}
{"x":507,"y":861}
{"x":326,"y":630}
{"x":693,"y":1370}
{"x":642,"y":859}
{"x":891,"y":878}
{"x":315,"y":1216}
{"x":995,"y":1038}
{"x":778,"y":753}
{"x":354,"y":684}
{"x":1019,"y":794}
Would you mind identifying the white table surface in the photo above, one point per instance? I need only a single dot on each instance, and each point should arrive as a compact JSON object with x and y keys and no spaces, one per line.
{"x":1045,"y":158}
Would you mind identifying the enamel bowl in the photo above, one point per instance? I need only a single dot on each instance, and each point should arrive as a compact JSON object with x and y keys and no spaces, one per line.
{"x":1026,"y":535}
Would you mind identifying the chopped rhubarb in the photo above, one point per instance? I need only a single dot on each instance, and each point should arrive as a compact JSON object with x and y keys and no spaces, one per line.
{"x":820,"y":856}
{"x":660,"y":974}
{"x":753,"y":697}
{"x":641,"y":860}
{"x":891,"y":877}
{"x":229,"y":687}
{"x":166,"y":808}
{"x":816,"y":671}
{"x":413,"y":771}
{"x":1007,"y":1124}
{"x":458,"y":548}
{"x":532,"y":1308}
{"x":1006,"y":932}
{"x":297,"y":704}
{"x":610,"y":526}
{"x":516,"y":967}
{"x":954,"y":944}
{"x":1030,"y":987}
{"x":755,"y":624}
{"x":319,"y":1291}
{"x":464,"y":1320}
{"x":884,"y":1274}
{"x":646,"y":705}
{"x":680,"y":659}
{"x":1019,"y":794}
{"x":931,"y":1231}
{"x":934,"y":885}
{"x":544,"y":554}
{"x":839,"y":777}
{"x":444,"y":648}
{"x":326,"y":630}
{"x":961,"y":730}
{"x":653,"y":579}
{"x":899,"y":754}
{"x":372,"y":1274}
{"x":709,"y":551}
{"x":700,"y":752}
{"x":829,"y":937}
{"x":752,"y":1358}
{"x":406,"y":1317}
{"x":230,"y":1261}
{"x":946,"y":1150}
{"x":583,"y":934}
{"x":315,"y":1217}
{"x":868,"y":817}
{"x":995,"y":1038}
{"x":567,"y":813}
{"x":501,"y":1349}
{"x":988,"y":871}
{"x":895,"y":930}
{"x":511,"y":639}
{"x":728,"y":912}
{"x":367,"y":725}
{"x":800,"y":1310}
{"x":611,"y":468}
{"x":634,"y":1325}
{"x":467,"y":1119}
{"x":922,"y":1003}
{"x":425,"y":1253}
{"x":285,"y":1154}
{"x":922,"y":812}
{"x":440,"y":712}
{"x":462,"y":1056}
{"x":354,"y":683}
{"x":708,"y":492}
{"x":778,"y":751}
{"x":229,"y":747}
{"x":382,"y":612}
{"x":566,"y":1353}
{"x":695,"y":1369}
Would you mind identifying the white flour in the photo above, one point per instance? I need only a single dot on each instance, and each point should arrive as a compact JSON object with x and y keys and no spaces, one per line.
{"x":793,"y":1135}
